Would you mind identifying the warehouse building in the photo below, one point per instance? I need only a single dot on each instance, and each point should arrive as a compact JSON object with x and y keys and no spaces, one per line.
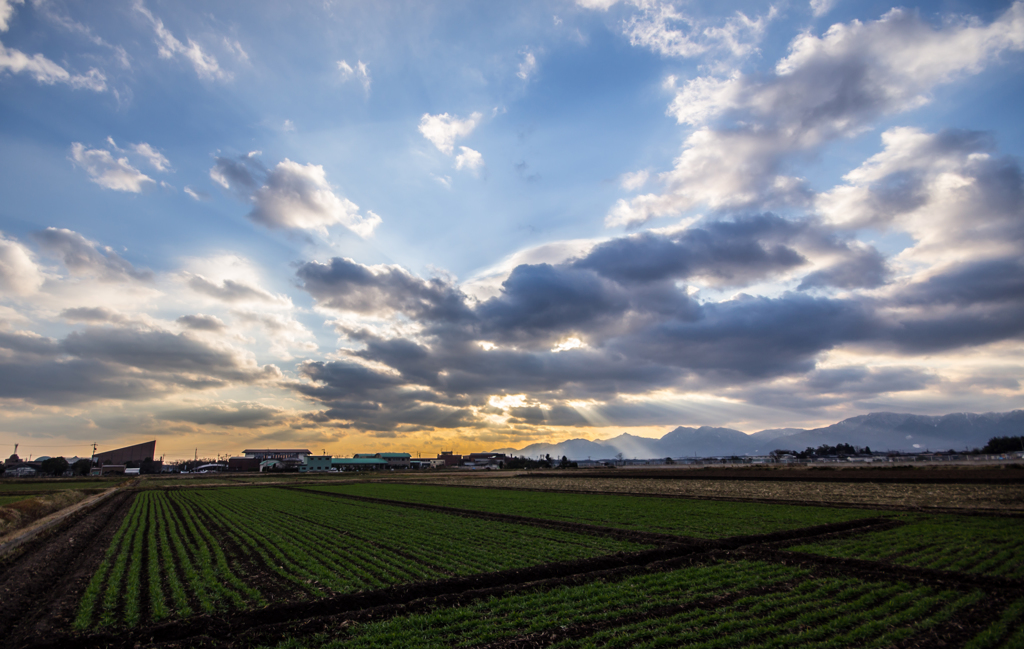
{"x":317,"y":463}
{"x":391,"y":460}
{"x":137,"y":454}
{"x":359,"y":463}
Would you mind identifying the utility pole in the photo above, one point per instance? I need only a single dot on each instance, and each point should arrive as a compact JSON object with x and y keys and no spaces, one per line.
{"x":197,"y":454}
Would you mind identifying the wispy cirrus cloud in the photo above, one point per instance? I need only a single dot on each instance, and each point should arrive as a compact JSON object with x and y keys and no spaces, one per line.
{"x":359,"y":72}
{"x":205,"y":64}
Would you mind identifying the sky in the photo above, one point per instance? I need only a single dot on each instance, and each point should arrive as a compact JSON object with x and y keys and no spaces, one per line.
{"x":424,"y":226}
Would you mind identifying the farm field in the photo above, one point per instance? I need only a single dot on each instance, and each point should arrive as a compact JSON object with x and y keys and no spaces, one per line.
{"x":702,"y":519}
{"x":179,"y":552}
{"x":20,"y":485}
{"x":727,"y":604}
{"x":981,"y":545}
{"x":301,"y":565}
{"x":948,"y":495}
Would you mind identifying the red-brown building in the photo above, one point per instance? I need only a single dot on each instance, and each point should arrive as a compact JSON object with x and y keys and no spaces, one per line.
{"x":243,"y":464}
{"x":137,"y":453}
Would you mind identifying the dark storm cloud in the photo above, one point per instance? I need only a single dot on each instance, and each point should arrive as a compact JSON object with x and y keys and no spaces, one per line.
{"x":986,"y":281}
{"x":336,"y":380}
{"x":863,"y":269}
{"x":726,"y":252}
{"x":160,"y":351}
{"x":866,"y":381}
{"x":230,"y":290}
{"x":249,"y":415}
{"x":540,"y":300}
{"x":200,"y":322}
{"x":967,"y":327}
{"x":92,"y":314}
{"x":640,"y":330}
{"x":117,"y":363}
{"x":25,"y":343}
{"x":80,"y":255}
{"x":350,"y":286}
{"x":753,"y":336}
{"x":73,"y":381}
{"x":822,"y":388}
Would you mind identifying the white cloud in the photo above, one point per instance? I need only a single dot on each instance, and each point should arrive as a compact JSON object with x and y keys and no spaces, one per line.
{"x":821,"y":7}
{"x":288,"y":125}
{"x":154,"y":157}
{"x":7,"y":11}
{"x":653,"y":29}
{"x":826,"y":88}
{"x":360,"y":72}
{"x":291,"y":195}
{"x":703,"y":97}
{"x":660,"y":27}
{"x":106,"y":171}
{"x":528,"y":65}
{"x":741,"y":34}
{"x":198,"y":195}
{"x":936,"y":187}
{"x":442,"y":130}
{"x":468,"y":159}
{"x":284,"y":332}
{"x":299,"y":196}
{"x":600,"y":5}
{"x":46,"y":71}
{"x":634,"y":180}
{"x":205,"y":65}
{"x":19,"y":274}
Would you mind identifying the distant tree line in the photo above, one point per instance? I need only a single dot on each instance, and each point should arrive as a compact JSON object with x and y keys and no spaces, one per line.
{"x":546,"y":463}
{"x":995,"y":446}
{"x":823,"y":451}
{"x":998,"y":445}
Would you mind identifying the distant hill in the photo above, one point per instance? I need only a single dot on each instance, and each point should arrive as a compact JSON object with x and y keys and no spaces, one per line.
{"x":880,"y":430}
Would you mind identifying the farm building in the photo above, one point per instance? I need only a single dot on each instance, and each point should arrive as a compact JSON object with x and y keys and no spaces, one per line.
{"x":393,"y":460}
{"x":359,"y":463}
{"x":276,"y":453}
{"x":449,"y":458}
{"x":136,"y":454}
{"x":286,"y":458}
{"x":317,"y":463}
{"x":485,"y":460}
{"x":243,"y":464}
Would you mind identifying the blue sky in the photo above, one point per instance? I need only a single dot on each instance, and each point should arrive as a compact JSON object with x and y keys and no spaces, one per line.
{"x":415,"y":226}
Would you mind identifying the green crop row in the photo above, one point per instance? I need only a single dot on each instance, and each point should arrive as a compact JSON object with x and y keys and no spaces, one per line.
{"x":640,"y":611}
{"x":974,"y":544}
{"x":159,"y":558}
{"x":183,"y":552}
{"x":320,"y":544}
{"x":695,"y":518}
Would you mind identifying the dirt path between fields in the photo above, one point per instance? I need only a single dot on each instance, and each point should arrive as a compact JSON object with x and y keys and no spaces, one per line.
{"x":39,"y":591}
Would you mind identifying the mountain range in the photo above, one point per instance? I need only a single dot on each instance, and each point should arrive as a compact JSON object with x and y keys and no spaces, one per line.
{"x":881,"y":431}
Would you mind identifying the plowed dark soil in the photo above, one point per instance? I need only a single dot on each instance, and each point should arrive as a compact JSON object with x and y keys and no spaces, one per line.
{"x":846,"y":474}
{"x":39,"y":590}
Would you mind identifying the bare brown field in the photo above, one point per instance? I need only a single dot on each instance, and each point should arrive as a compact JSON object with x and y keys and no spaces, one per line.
{"x":929,"y":496}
